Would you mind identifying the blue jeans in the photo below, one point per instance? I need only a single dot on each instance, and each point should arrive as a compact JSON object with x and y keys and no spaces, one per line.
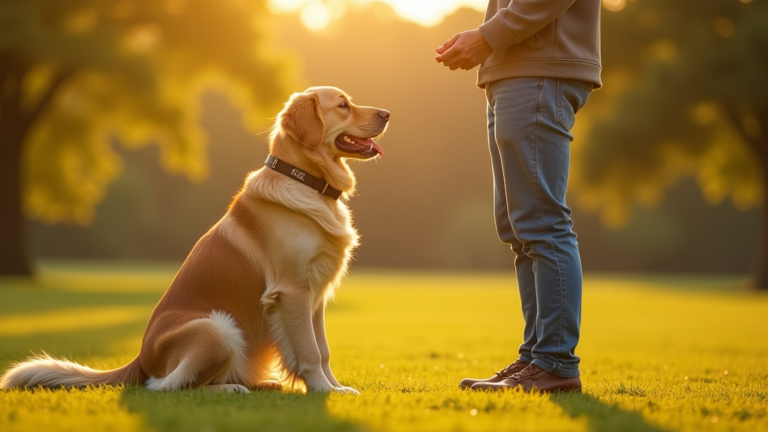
{"x":529,"y":123}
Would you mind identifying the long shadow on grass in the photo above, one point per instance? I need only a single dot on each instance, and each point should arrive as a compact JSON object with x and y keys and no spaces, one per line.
{"x":196,"y":410}
{"x":36,"y":300}
{"x":602,"y":417}
{"x":70,"y":344}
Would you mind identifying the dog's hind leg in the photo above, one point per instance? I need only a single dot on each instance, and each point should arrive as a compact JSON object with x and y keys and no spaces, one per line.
{"x":201,"y":352}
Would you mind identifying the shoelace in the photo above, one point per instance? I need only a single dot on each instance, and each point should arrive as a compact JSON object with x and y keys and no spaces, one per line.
{"x":529,"y":371}
{"x":507,"y":371}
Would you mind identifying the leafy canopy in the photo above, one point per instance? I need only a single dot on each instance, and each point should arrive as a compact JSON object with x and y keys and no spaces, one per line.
{"x":127,"y":71}
{"x":687,"y":86}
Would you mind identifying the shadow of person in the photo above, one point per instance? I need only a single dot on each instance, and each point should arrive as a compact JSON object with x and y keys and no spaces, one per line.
{"x":600,"y":416}
{"x":198,"y":410}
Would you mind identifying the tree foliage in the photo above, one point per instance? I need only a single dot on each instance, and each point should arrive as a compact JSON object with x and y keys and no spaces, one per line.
{"x":691,"y":88}
{"x":690,"y":83}
{"x":79,"y":75}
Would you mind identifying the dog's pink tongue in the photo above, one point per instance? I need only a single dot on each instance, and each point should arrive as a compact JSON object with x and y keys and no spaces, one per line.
{"x":375,"y":146}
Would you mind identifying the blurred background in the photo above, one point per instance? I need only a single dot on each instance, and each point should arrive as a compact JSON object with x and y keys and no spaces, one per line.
{"x":127,"y":126}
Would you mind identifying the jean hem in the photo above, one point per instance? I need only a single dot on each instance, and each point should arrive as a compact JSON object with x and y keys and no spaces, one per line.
{"x":556,"y":370}
{"x":525,"y":358}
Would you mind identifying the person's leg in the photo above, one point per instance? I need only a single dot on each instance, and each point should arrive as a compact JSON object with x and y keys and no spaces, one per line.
{"x":526,"y":282}
{"x":523,"y":265}
{"x":532,"y":121}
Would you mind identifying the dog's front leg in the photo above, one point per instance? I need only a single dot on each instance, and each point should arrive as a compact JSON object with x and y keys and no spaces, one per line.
{"x":296,"y":339}
{"x":318,"y":323}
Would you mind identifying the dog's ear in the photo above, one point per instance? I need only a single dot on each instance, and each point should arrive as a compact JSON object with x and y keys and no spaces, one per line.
{"x":303,"y":120}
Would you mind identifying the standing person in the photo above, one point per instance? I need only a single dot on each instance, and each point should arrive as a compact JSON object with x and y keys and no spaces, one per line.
{"x":539,"y":61}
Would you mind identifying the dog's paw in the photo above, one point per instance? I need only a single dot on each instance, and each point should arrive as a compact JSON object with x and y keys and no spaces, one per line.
{"x":227,"y":388}
{"x":345,"y":390}
{"x":237,"y":388}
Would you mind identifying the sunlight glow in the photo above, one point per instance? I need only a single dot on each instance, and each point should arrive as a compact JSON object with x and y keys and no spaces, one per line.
{"x":315,"y":16}
{"x":430,"y":13}
{"x":318,"y":14}
{"x":614,"y":5}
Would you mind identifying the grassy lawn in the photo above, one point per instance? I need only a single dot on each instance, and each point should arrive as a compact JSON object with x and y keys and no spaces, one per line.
{"x":658,"y":354}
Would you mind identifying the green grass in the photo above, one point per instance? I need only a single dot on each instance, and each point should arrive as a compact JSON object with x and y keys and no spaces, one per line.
{"x":658,"y":354}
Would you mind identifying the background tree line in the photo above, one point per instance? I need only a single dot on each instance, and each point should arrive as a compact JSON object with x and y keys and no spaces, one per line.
{"x":682,"y":100}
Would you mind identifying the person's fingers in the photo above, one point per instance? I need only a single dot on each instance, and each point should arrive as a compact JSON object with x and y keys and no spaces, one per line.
{"x":456,"y":63}
{"x":447,"y":45}
{"x":448,"y":56}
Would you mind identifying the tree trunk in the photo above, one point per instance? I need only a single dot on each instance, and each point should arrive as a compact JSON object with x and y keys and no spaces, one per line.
{"x":14,"y":126}
{"x":761,"y":260}
{"x":14,"y":257}
{"x":759,"y":144}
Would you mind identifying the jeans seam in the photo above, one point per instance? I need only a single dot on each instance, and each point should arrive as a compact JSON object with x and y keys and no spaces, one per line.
{"x":544,"y":222}
{"x":559,"y":97}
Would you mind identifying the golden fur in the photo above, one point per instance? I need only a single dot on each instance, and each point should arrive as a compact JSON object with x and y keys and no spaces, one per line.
{"x":247,"y":306}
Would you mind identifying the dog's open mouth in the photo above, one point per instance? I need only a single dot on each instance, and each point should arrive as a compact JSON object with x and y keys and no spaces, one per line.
{"x":365,"y":147}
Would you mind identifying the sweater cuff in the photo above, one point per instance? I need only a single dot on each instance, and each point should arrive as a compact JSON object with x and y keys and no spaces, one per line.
{"x":497,"y":36}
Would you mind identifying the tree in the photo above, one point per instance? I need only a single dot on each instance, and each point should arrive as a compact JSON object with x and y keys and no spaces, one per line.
{"x":689,"y":98}
{"x":78,"y":75}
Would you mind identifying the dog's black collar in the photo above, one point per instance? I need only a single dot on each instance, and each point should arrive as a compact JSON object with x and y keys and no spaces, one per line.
{"x":303,"y":177}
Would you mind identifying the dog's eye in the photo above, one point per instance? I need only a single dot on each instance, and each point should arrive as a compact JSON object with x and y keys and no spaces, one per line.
{"x":343,"y":105}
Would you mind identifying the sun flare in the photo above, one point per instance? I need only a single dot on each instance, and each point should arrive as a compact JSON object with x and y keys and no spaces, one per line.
{"x":319,"y":14}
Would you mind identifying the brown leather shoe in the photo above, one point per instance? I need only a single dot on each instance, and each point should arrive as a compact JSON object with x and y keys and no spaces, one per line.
{"x":533,"y":378}
{"x":498,"y":377}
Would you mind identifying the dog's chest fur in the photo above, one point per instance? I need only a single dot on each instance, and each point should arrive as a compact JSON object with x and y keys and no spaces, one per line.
{"x":305,"y":238}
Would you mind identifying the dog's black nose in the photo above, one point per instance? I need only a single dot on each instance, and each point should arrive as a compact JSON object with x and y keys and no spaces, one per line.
{"x":384,"y":115}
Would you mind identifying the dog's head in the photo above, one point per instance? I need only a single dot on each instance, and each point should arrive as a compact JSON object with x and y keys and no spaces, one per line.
{"x":321,"y":127}
{"x":326,"y":116}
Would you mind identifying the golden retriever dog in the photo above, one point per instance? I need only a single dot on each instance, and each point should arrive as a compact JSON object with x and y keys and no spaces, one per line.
{"x":246,"y":309}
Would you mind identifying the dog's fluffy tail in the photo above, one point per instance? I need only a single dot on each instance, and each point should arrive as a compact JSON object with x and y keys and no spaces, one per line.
{"x":44,"y":370}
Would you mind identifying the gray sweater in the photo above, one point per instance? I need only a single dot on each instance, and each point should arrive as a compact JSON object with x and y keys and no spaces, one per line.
{"x":542,"y":38}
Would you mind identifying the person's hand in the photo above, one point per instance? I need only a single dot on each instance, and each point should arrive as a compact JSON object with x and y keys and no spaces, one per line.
{"x":465,"y":50}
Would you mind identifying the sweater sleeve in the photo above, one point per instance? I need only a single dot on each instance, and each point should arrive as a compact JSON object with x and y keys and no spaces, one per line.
{"x":520,"y":20}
